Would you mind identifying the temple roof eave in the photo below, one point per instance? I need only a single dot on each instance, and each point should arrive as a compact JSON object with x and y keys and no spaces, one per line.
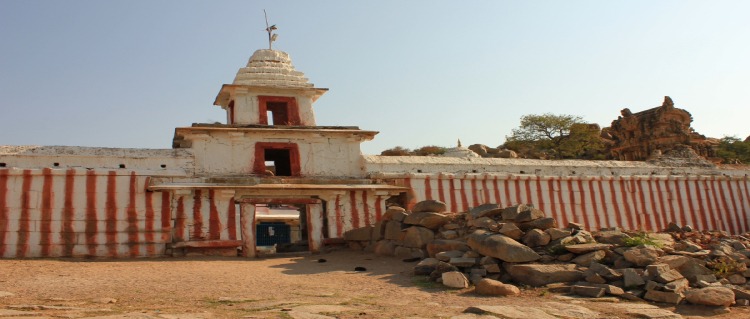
{"x":227,"y":90}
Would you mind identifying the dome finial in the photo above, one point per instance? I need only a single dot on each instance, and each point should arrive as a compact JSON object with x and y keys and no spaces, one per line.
{"x":271,"y":36}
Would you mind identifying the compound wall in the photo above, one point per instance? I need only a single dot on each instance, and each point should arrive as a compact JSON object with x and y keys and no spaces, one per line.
{"x":629,"y":202}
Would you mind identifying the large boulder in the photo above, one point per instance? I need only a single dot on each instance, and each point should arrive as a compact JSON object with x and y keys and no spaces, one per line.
{"x":359,"y":234}
{"x":429,"y":205}
{"x":536,"y":238}
{"x":428,"y":220}
{"x":418,"y":237}
{"x":543,"y":274}
{"x":392,"y":230}
{"x":511,"y":212}
{"x":540,"y":223}
{"x":529,"y":215}
{"x":485,"y":210}
{"x":385,"y":248}
{"x":642,"y":256}
{"x":711,"y":296}
{"x":394,"y":213}
{"x":689,"y":267}
{"x":500,"y":247}
{"x":491,"y":287}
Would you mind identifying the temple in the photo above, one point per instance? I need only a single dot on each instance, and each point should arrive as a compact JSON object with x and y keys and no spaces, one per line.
{"x":270,"y":179}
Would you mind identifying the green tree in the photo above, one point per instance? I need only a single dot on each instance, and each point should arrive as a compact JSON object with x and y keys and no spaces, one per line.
{"x":396,"y":151}
{"x":429,"y":150}
{"x":734,"y":150}
{"x":556,"y":137}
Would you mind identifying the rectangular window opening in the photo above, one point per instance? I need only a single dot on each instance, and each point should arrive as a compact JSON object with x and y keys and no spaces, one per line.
{"x":280,"y":160}
{"x":278,"y":113}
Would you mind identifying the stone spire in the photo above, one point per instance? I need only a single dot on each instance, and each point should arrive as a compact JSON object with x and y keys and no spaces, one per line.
{"x":271,"y":68}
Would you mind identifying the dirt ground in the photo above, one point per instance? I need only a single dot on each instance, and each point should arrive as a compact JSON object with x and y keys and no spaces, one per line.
{"x":279,"y":287}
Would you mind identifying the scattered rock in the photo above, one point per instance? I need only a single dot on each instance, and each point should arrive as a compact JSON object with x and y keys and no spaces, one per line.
{"x":500,"y":247}
{"x":455,"y":279}
{"x":491,"y":287}
{"x":711,"y":296}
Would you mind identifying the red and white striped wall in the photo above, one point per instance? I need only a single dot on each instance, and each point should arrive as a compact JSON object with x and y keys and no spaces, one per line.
{"x":353,"y":209}
{"x":79,"y":212}
{"x":629,"y":202}
{"x":205,"y":214}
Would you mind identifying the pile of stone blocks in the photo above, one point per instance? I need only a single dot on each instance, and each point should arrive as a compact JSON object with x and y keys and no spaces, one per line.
{"x":496,"y":248}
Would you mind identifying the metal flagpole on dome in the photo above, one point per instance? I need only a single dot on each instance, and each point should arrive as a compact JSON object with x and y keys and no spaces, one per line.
{"x":271,"y":36}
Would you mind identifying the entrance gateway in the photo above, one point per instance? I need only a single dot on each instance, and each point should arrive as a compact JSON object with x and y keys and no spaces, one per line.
{"x":271,"y":157}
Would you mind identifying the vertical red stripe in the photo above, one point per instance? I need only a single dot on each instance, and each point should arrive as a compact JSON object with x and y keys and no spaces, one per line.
{"x":733,"y":222}
{"x":517,"y":186}
{"x":740,"y":217}
{"x":411,"y":197}
{"x":232,"y":220}
{"x":571,"y":197}
{"x":644,"y":210}
{"x":540,"y":194}
{"x":197,"y":215}
{"x":474,"y":192}
{"x":91,"y":218}
{"x":672,"y":198}
{"x":132,"y":215}
{"x":613,"y":195}
{"x":427,"y":188}
{"x":339,"y":218}
{"x":3,"y":209}
{"x":713,"y":205}
{"x":379,"y":208}
{"x":179,"y":223}
{"x":592,"y":198}
{"x":506,"y":184}
{"x":454,"y":205}
{"x":495,"y":184}
{"x":654,"y":211}
{"x":701,"y":204}
{"x":111,"y":210}
{"x":640,"y":223}
{"x":561,"y":203}
{"x":693,"y":212}
{"x":629,"y":218}
{"x":45,"y":231}
{"x":584,"y":211}
{"x":441,"y":189}
{"x":150,"y":220}
{"x":552,"y":205}
{"x":354,"y":210}
{"x":24,"y":220}
{"x":744,"y":198}
{"x":68,"y":234}
{"x":486,"y":190}
{"x":166,"y":212}
{"x":464,"y":197}
{"x":664,"y":213}
{"x":368,"y":220}
{"x":683,"y":213}
{"x":214,"y":221}
{"x":603,"y":200}
{"x":527,"y":186}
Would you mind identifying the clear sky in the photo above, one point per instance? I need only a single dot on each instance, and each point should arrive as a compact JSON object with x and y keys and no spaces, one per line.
{"x":125,"y":73}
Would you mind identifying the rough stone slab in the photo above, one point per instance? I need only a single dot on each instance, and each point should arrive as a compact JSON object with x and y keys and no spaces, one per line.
{"x":586,"y":291}
{"x":586,"y":248}
{"x":501,"y":247}
{"x":540,"y":275}
{"x":6,"y":294}
{"x":663,"y":296}
{"x":463,"y":262}
{"x":510,"y":312}
{"x":17,"y":313}
{"x":322,"y":308}
{"x":455,"y":279}
{"x":648,"y":311}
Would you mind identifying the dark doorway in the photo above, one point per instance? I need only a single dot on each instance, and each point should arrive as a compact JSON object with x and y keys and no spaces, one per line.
{"x":281,"y":159}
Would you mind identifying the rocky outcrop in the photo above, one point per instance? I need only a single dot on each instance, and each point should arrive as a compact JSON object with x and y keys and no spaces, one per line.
{"x":657,"y":131}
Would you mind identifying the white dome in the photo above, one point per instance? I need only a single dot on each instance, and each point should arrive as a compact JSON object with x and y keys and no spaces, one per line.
{"x":271,"y":68}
